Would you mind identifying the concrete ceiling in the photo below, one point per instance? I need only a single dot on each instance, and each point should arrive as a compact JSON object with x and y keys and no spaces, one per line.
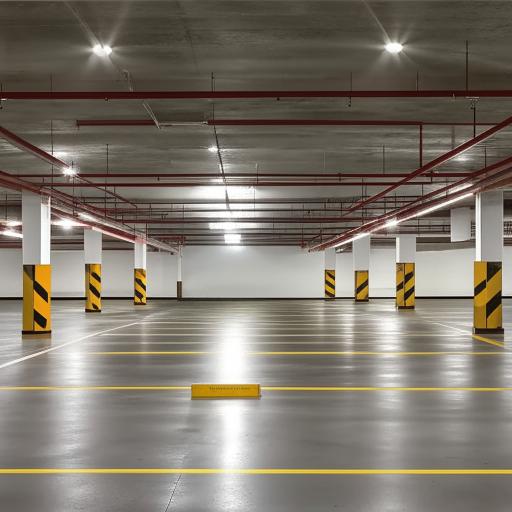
{"x":252,"y":46}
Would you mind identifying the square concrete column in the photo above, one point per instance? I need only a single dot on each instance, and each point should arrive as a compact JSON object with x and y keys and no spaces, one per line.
{"x":179,"y":282}
{"x":405,"y":271}
{"x":35,"y":213}
{"x":92,"y":257}
{"x":460,"y":224}
{"x":140,"y":280}
{"x":487,"y":308}
{"x":361,"y":261}
{"x":330,"y":273}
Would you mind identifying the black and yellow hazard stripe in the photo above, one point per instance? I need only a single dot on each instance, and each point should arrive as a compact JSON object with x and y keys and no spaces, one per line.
{"x":37,"y":299}
{"x":139,"y":298}
{"x":487,"y":309}
{"x":93,"y":287}
{"x":330,"y":284}
{"x":405,"y":295}
{"x":361,"y":286}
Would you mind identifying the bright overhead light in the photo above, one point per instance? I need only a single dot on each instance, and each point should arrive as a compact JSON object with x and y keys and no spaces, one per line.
{"x":86,"y":216}
{"x":10,"y":232}
{"x":232,"y":238}
{"x":102,"y":50}
{"x":391,"y":223}
{"x":13,"y":223}
{"x":437,"y":207}
{"x":228,"y":226}
{"x":68,"y":171}
{"x":394,"y":47}
{"x":66,"y":223}
{"x":213,"y":149}
{"x":60,"y":154}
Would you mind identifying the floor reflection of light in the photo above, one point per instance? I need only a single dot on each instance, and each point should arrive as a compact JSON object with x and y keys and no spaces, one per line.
{"x":232,"y":365}
{"x":233,"y":434}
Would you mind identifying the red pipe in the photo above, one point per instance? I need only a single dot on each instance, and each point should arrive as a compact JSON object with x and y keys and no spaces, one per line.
{"x":245,"y":220}
{"x":233,"y":95}
{"x":280,"y":122}
{"x":159,"y":184}
{"x":253,"y":176}
{"x":502,"y":167}
{"x":435,"y":163}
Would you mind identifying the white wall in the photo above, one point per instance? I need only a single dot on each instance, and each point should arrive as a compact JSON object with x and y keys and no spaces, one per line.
{"x":223,"y":271}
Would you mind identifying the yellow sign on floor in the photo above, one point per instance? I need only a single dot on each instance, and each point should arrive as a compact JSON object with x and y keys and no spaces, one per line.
{"x":206,"y":391}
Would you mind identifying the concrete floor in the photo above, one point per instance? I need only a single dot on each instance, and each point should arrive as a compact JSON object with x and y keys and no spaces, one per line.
{"x":336,"y":428}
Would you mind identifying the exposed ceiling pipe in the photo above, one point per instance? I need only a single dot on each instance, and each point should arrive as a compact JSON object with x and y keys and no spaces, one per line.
{"x":502,"y":168}
{"x":26,"y":146}
{"x":434,"y":163}
{"x":272,"y":122}
{"x":234,"y":95}
{"x":172,"y":184}
{"x":251,"y":175}
{"x":69,"y":206}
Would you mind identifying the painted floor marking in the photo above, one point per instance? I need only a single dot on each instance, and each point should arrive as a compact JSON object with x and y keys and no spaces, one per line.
{"x":295,"y":353}
{"x":339,"y":389}
{"x":256,"y":471}
{"x":62,"y":345}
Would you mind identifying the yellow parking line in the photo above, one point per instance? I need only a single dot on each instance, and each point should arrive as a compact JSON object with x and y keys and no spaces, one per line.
{"x":489,"y":341}
{"x":342,"y":389}
{"x":254,"y":471}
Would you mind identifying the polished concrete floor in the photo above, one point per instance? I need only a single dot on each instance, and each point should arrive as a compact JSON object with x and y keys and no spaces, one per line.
{"x":361,"y":392}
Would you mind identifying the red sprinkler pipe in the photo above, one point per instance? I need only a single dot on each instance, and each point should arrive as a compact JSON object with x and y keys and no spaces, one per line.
{"x":236,"y":95}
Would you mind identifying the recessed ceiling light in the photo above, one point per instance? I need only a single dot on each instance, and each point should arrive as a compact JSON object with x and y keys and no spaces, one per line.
{"x":102,"y":50}
{"x":391,"y":223}
{"x":213,"y":149}
{"x":10,"y":232}
{"x":68,"y":171}
{"x":13,"y":223}
{"x":232,"y":238}
{"x":393,"y":47}
{"x":66,"y":223}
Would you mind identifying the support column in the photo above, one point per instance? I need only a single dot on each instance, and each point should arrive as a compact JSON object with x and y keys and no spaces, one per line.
{"x":139,"y":297}
{"x":487,"y":309}
{"x":330,"y":274}
{"x":405,"y":271}
{"x":35,"y":211}
{"x":361,"y":259}
{"x":92,"y":257}
{"x":179,"y":283}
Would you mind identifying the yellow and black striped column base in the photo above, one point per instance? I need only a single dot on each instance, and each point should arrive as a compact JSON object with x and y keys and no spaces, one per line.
{"x":93,"y":288}
{"x":405,"y":295}
{"x":139,"y":297}
{"x":37,"y":299}
{"x":330,"y":284}
{"x":487,"y":309}
{"x":361,"y":293}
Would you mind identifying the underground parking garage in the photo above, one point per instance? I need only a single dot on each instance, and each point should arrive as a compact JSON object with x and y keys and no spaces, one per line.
{"x":255,"y":256}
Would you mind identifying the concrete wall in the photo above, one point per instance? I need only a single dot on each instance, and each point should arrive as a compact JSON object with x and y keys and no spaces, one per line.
{"x":211,"y":272}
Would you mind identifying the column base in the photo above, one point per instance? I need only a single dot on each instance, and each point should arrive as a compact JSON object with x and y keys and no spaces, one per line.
{"x":138,"y":304}
{"x":496,"y":330}
{"x":179,"y":290}
{"x":34,"y":334}
{"x":405,"y":307}
{"x":93,"y":310}
{"x":361,"y":300}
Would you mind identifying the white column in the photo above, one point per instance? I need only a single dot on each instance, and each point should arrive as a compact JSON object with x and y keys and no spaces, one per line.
{"x":361,"y":253}
{"x":489,"y":226}
{"x":179,"y":255}
{"x":330,"y":259}
{"x":139,"y":252}
{"x":35,"y":214}
{"x":92,"y":245}
{"x":406,"y":249}
{"x":460,"y":224}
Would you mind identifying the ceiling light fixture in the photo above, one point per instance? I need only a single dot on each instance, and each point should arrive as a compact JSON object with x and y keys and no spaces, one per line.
{"x":13,"y":223}
{"x":391,"y":223}
{"x":10,"y":232}
{"x":68,"y":171}
{"x":213,"y":149}
{"x":394,"y":47}
{"x":66,"y":223}
{"x":86,"y":216}
{"x":102,"y":50}
{"x":232,"y":238}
